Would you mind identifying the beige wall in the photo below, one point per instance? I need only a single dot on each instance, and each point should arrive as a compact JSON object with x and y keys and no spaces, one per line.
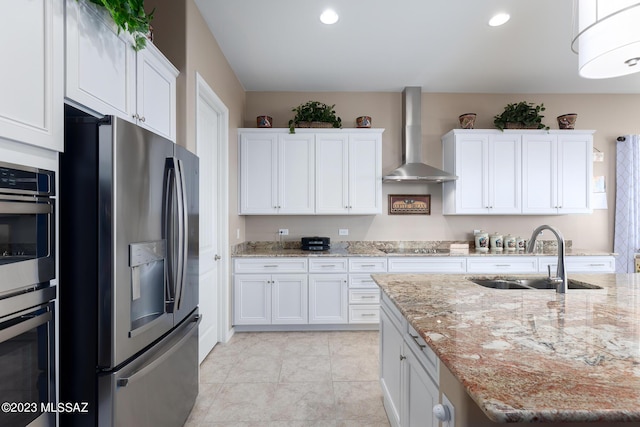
{"x":183,"y":36}
{"x":609,"y":115}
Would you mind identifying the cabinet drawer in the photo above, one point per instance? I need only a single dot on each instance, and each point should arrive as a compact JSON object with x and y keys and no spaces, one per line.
{"x":362,"y":281}
{"x":426,"y":356}
{"x":270,"y":265}
{"x":364,"y":296}
{"x":428,"y":265}
{"x":580,"y":264}
{"x":364,"y":314}
{"x":371,"y":265}
{"x":328,"y":265}
{"x":496,"y":265}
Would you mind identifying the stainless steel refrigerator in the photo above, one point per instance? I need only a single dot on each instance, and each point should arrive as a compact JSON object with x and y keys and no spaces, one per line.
{"x":128,"y":282}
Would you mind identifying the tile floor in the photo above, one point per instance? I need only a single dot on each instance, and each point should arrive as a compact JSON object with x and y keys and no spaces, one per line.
{"x":291,"y":379}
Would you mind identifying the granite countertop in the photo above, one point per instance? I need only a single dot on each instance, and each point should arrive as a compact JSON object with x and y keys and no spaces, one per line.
{"x":532,"y":355}
{"x":392,"y":249}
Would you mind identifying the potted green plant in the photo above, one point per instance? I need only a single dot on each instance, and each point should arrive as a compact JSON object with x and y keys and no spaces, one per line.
{"x":314,"y":114}
{"x":129,"y":16}
{"x":521,"y":115}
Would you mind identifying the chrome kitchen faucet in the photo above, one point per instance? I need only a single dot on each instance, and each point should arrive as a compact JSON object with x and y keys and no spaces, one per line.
{"x":561,"y":274}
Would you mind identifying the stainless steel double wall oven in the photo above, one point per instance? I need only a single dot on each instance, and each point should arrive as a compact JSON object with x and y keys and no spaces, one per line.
{"x":27,"y":265}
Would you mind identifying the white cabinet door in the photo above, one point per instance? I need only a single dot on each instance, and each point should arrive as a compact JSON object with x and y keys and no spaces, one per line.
{"x":421,"y":396}
{"x":289,"y":299}
{"x":328,"y":298}
{"x":156,"y":92}
{"x":427,"y":264}
{"x":505,"y":174}
{"x":252,"y":299}
{"x":332,"y":173}
{"x":258,"y":173}
{"x":276,"y":173}
{"x":575,"y":164}
{"x":557,"y":173}
{"x":296,"y":174}
{"x":469,"y":193}
{"x":502,"y":264}
{"x":365,"y":173}
{"x":539,"y":174}
{"x":488,"y":170}
{"x":100,"y":63}
{"x":349,"y":173}
{"x":391,"y":357}
{"x":263,"y":299}
{"x":31,"y":80}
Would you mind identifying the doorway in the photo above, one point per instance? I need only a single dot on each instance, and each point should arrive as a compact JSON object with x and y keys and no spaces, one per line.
{"x":212,"y":140}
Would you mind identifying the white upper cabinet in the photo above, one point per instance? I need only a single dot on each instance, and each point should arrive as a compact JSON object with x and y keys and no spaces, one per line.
{"x":322,"y":172}
{"x":105,"y":74}
{"x":31,"y":83}
{"x":557,"y":173}
{"x":156,"y":92}
{"x":349,"y":173}
{"x":100,"y":63}
{"x":517,"y":172}
{"x":276,"y":173}
{"x":489,"y":175}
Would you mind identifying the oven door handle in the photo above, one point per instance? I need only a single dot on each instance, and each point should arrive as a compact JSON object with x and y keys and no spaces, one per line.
{"x":25,"y":208}
{"x":29,"y":323}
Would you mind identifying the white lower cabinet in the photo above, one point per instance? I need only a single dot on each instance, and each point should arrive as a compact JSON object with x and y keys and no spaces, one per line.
{"x":579,"y":264}
{"x":427,"y":265}
{"x":328,"y":294}
{"x":497,"y":265}
{"x":408,"y":376}
{"x":262,"y":299}
{"x":391,"y":358}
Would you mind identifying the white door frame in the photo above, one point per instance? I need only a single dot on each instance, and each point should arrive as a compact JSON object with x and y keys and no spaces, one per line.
{"x":204,"y":92}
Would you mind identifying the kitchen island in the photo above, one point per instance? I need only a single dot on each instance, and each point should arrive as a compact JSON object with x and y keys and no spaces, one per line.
{"x":526,"y":356}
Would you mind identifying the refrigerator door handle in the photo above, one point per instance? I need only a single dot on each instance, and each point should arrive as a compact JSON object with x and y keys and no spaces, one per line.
{"x":173,"y":234}
{"x":185,"y":232}
{"x":181,"y":238}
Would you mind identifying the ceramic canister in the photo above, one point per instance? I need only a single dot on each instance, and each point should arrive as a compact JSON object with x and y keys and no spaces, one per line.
{"x":509,"y":242}
{"x":521,"y":243}
{"x":495,"y":241}
{"x":482,"y":241}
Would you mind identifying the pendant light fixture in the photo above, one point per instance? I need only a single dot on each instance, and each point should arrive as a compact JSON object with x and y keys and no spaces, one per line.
{"x":606,"y":37}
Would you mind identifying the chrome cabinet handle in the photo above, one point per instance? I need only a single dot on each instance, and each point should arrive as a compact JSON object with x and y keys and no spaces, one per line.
{"x":216,"y":257}
{"x":368,"y":296}
{"x":402,"y":357}
{"x":368,"y":314}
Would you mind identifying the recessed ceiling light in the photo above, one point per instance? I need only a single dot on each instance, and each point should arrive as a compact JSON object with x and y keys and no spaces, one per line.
{"x":499,"y":19}
{"x":329,"y":17}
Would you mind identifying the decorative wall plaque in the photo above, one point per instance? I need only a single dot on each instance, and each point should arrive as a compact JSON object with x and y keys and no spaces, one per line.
{"x":409,"y":204}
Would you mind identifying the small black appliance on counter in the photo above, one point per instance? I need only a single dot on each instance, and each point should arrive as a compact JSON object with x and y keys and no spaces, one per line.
{"x":316,"y":243}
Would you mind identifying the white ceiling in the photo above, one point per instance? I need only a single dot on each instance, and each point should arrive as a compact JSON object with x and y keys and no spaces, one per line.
{"x":384,"y":45}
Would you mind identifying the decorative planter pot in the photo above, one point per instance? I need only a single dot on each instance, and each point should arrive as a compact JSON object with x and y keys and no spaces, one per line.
{"x":264,"y":121}
{"x":363,"y":122}
{"x":467,"y":120}
{"x":567,"y":121}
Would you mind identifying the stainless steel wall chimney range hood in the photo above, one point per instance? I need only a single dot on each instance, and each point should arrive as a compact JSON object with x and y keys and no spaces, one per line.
{"x":412,"y":169}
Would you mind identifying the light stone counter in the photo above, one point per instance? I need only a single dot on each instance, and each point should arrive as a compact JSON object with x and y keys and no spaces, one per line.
{"x":532,"y":355}
{"x":392,"y":249}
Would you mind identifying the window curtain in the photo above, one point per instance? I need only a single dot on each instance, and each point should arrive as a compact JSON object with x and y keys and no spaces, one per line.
{"x":627,"y":218}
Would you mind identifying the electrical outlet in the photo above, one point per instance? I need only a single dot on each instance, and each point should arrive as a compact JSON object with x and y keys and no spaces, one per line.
{"x":283,"y":232}
{"x":343,"y":231}
{"x":237,"y":233}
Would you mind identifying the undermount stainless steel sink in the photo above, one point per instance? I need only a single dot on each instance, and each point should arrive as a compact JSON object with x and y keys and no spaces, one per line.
{"x":535,"y":283}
